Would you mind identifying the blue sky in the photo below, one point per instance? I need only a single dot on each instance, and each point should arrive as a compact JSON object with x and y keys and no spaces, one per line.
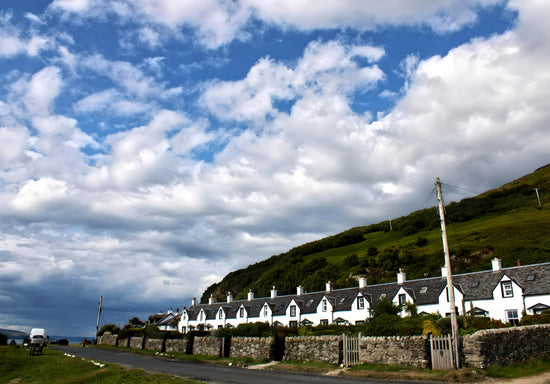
{"x":149,"y":147}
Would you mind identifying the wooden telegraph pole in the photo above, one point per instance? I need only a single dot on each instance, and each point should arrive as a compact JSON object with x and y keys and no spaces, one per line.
{"x":450,"y":286}
{"x":98,"y":317}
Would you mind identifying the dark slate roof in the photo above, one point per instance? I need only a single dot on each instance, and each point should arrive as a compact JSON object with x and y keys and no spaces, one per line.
{"x":534,"y":280}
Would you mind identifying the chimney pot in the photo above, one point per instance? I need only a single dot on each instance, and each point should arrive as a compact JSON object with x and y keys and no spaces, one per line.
{"x":299,"y":290}
{"x":211,"y":299}
{"x":250,"y":295}
{"x":273,"y":292}
{"x":328,"y":287}
{"x":229,"y":297}
{"x":362,"y":282}
{"x":497,"y":264}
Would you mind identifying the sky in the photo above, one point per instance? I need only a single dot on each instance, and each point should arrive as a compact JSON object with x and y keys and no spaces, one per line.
{"x":149,"y":147}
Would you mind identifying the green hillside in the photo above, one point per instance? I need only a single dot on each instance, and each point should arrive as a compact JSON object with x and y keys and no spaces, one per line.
{"x":505,"y":222}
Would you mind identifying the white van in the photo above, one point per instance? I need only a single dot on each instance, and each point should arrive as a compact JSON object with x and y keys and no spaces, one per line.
{"x":39,"y":336}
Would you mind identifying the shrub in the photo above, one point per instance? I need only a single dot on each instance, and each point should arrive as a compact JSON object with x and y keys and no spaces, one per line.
{"x":541,"y":318}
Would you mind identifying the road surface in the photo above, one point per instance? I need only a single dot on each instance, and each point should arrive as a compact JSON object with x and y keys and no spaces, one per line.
{"x":207,"y":373}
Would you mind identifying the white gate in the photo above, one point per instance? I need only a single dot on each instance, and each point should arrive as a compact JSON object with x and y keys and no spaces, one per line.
{"x":350,"y":350}
{"x":442,"y":352}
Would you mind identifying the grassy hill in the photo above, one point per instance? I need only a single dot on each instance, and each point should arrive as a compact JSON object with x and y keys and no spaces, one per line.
{"x":506,"y":222}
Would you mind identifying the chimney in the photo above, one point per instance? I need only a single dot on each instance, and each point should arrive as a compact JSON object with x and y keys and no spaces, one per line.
{"x":443,"y":271}
{"x":194,"y":301}
{"x":250,"y":295}
{"x":362,"y":282}
{"x":299,"y":290}
{"x":273,"y":292}
{"x":497,"y":264}
{"x":328,"y":287}
{"x":401,"y":276}
{"x":211,"y":299}
{"x":229,"y":297}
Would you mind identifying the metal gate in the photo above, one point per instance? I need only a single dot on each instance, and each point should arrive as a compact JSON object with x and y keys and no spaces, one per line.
{"x":350,"y":350}
{"x":442,"y":352}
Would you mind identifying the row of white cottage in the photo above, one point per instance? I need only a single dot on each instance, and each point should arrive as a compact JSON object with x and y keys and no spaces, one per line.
{"x":502,"y":293}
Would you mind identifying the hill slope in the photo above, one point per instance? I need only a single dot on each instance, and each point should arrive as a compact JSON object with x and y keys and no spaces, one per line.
{"x":506,"y":222}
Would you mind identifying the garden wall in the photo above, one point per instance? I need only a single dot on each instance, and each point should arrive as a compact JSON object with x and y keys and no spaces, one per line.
{"x":176,"y":345}
{"x":502,"y":346}
{"x":314,"y":348}
{"x":207,"y":346}
{"x":136,"y":342}
{"x":108,"y":339}
{"x":153,"y":344}
{"x":401,"y":350}
{"x":254,"y":347}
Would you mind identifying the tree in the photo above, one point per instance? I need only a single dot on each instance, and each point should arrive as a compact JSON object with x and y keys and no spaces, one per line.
{"x":136,"y":322}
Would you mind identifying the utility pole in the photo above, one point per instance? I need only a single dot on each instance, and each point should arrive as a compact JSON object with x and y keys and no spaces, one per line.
{"x":450,"y":286}
{"x":98,"y":317}
{"x":538,"y":197}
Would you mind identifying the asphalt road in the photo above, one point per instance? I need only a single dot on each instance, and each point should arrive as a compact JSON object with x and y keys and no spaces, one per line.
{"x":206,"y":372}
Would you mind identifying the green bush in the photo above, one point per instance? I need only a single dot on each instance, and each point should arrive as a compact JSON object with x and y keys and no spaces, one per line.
{"x":541,"y":318}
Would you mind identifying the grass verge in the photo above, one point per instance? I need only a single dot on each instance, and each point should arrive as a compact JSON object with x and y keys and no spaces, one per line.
{"x":17,"y":366}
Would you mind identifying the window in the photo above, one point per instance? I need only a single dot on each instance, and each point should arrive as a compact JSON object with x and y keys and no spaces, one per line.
{"x":402,"y":299}
{"x":266,"y":313}
{"x":309,"y":303}
{"x":220,"y":313}
{"x":184,"y":316}
{"x":382,"y":296}
{"x":475,"y":284}
{"x":512,"y":316}
{"x":324,"y":322}
{"x":292,"y":311}
{"x":241,"y":312}
{"x":360,"y":302}
{"x":324,"y":305}
{"x":293,"y":323}
{"x":201,"y":317}
{"x":183,"y":329}
{"x":507,"y":290}
{"x":424,"y":290}
{"x":531,"y":278}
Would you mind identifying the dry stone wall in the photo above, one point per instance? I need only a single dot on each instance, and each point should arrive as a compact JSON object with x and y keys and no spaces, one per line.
{"x":153,"y":344}
{"x":254,"y":347}
{"x":401,"y":350}
{"x":314,"y":348}
{"x":502,"y":346}
{"x":136,"y":342}
{"x":176,"y":345}
{"x":108,"y":339}
{"x":207,"y":346}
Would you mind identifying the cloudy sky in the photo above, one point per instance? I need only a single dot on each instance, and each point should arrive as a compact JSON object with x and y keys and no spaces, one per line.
{"x":149,"y":147}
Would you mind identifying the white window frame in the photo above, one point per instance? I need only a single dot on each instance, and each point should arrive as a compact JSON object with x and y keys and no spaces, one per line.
{"x":292,"y":311}
{"x":360,"y":302}
{"x":512,"y":316}
{"x":241,"y":312}
{"x":266,"y":313}
{"x":507,"y":288}
{"x":324,"y":305}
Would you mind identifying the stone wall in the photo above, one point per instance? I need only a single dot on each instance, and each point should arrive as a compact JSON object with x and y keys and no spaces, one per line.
{"x":254,"y":347}
{"x":207,"y":346}
{"x":502,"y":346}
{"x":314,"y":348}
{"x":108,"y":339}
{"x":136,"y":342}
{"x":402,"y":350}
{"x":153,"y":344}
{"x":176,"y":345}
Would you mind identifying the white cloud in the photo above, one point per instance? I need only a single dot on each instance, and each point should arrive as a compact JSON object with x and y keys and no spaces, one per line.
{"x":43,"y":88}
{"x":325,"y":69}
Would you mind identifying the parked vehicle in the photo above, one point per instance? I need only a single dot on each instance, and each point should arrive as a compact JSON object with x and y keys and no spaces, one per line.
{"x":39,"y":336}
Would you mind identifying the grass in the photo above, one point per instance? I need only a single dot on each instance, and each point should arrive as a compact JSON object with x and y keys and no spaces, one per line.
{"x":17,"y":366}
{"x":515,"y":370}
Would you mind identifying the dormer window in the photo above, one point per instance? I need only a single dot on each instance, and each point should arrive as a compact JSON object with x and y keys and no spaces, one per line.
{"x":241,"y":312}
{"x":220,"y":313}
{"x":507,"y":290}
{"x":324,"y":305}
{"x":360,"y":302}
{"x":265,"y":311}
